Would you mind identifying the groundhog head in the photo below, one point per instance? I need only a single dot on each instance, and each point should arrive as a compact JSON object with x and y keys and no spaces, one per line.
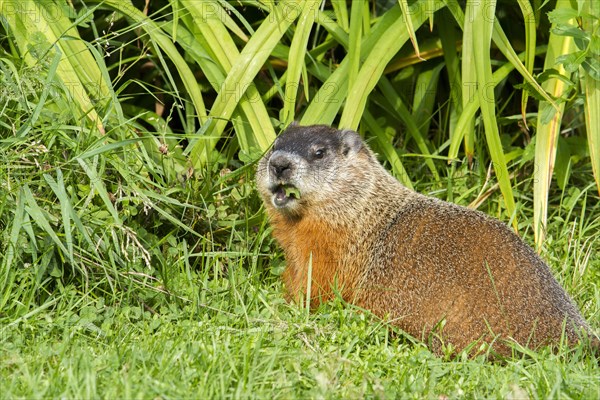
{"x":307,"y":166}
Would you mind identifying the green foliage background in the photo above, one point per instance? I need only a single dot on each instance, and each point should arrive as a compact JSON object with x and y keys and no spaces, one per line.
{"x":128,"y":136}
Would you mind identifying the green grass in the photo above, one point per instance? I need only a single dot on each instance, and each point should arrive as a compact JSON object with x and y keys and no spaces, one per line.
{"x":224,"y":330}
{"x":193,"y":351}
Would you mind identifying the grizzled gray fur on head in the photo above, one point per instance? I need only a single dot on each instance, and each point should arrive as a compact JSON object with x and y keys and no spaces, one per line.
{"x":305,"y":164}
{"x":305,"y":141}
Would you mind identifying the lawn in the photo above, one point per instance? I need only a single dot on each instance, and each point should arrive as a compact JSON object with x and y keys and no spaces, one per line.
{"x":224,"y":330}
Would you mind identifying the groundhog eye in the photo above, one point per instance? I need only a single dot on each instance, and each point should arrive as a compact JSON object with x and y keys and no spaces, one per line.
{"x":319,"y":153}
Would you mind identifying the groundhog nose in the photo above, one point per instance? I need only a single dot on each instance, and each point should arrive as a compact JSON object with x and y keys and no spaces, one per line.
{"x":280,"y":166}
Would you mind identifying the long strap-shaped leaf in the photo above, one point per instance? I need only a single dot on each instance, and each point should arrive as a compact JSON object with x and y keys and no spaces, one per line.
{"x":326,"y":104}
{"x":501,"y":40}
{"x":530,"y":36}
{"x":547,"y":133}
{"x":468,"y":90}
{"x":241,"y":75}
{"x":377,"y":49}
{"x":592,"y":124}
{"x":383,"y":50}
{"x":406,"y":12}
{"x":354,"y":41}
{"x":164,"y":42}
{"x":472,"y":106}
{"x":483,"y":25}
{"x":296,"y":59}
{"x":592,"y":93}
{"x":207,"y":22}
{"x":29,"y":20}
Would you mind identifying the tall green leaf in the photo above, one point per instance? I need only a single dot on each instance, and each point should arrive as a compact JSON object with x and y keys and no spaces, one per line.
{"x":41,"y":29}
{"x":298,"y":50}
{"x":372,"y":69}
{"x":241,"y":75}
{"x":483,"y":25}
{"x":216,"y":52}
{"x":591,"y":24}
{"x":548,"y":129}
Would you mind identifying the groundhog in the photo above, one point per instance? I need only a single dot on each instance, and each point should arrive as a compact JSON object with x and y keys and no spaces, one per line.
{"x":442,"y":273}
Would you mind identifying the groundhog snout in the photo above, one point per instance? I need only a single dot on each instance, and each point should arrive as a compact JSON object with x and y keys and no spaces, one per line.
{"x":281,"y":166}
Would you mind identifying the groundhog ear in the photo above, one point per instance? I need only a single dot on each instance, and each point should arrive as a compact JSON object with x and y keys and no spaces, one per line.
{"x":351,"y":142}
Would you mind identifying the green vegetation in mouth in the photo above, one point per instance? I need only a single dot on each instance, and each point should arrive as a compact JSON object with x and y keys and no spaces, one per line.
{"x":292,"y":191}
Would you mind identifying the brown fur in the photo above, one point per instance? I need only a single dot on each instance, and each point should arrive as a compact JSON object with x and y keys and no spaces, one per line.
{"x":440,"y":272}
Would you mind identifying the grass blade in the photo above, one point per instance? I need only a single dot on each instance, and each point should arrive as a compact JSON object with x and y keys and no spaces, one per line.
{"x":408,"y":23}
{"x":65,"y":209}
{"x":385,"y":47}
{"x":38,"y":216}
{"x":547,"y":133}
{"x":592,"y":95}
{"x":8,"y":274}
{"x":100,"y":188}
{"x":296,"y":56}
{"x":240,"y":77}
{"x":68,"y":212}
{"x":483,"y":26}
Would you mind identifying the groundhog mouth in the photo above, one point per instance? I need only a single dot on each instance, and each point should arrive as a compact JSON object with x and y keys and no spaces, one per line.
{"x":285,"y":194}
